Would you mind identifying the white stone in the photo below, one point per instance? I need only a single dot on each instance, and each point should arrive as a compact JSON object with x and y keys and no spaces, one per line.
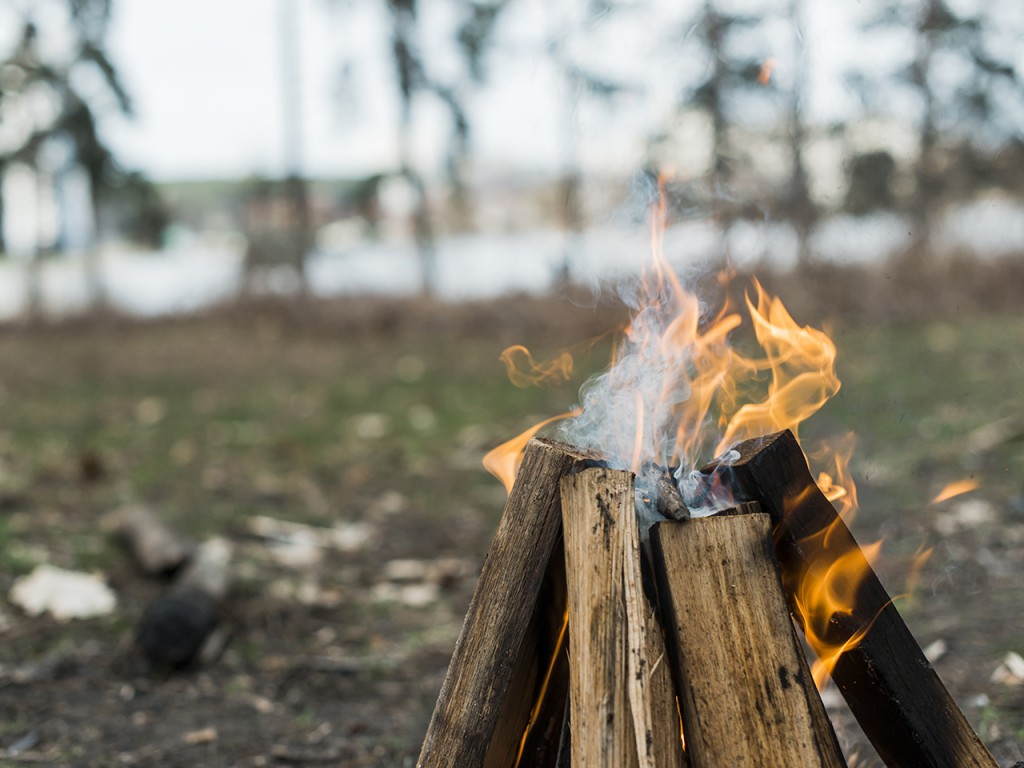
{"x":64,"y":594}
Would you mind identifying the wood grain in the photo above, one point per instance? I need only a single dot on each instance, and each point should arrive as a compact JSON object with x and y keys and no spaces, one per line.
{"x":596,"y":504}
{"x":652,"y":695}
{"x":746,"y":692}
{"x":491,"y":685}
{"x":891,"y":688}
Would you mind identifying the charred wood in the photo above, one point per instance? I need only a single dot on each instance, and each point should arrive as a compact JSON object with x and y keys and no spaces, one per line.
{"x":493,"y":680}
{"x":177,"y":627}
{"x":890,"y":686}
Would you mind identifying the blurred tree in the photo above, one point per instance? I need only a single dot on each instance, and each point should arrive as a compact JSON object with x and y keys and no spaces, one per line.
{"x":141,"y":213}
{"x":800,"y":208}
{"x":412,"y":79}
{"x":296,"y":238}
{"x":869,"y":177}
{"x":970,"y":93}
{"x":77,"y":83}
{"x":731,"y":79}
{"x":417,"y":76}
{"x":583,"y":82}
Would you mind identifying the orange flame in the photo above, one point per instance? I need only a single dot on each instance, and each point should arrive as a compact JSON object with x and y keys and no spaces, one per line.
{"x":801,"y":360}
{"x":524,"y":371}
{"x":957,"y":488}
{"x":674,"y":373}
{"x":824,"y":593}
{"x":764,"y":74}
{"x":917,"y":563}
{"x":544,"y":684}
{"x":835,"y":479}
{"x":503,"y":462}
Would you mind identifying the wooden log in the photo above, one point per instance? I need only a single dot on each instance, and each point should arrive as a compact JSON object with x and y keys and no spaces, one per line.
{"x":596,"y":505}
{"x":485,"y":702}
{"x":157,"y":549}
{"x":891,"y":688}
{"x":747,"y":696}
{"x":177,"y":626}
{"x":652,"y":694}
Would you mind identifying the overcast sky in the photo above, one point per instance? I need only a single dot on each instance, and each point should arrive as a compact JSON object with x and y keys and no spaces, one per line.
{"x":205,"y":76}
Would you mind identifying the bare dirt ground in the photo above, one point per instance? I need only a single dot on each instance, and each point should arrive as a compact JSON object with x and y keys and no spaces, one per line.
{"x":371,"y":417}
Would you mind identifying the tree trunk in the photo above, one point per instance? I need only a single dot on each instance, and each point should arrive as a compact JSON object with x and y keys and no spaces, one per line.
{"x":801,"y":207}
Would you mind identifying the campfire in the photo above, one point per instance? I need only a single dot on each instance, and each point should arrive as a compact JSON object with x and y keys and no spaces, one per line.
{"x":639,"y":609}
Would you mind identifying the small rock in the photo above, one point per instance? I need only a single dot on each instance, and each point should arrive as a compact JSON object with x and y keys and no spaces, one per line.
{"x":1015,"y":663}
{"x":969,"y":513}
{"x":298,"y":545}
{"x":406,"y":570}
{"x":370,"y":426}
{"x":24,"y":744}
{"x":935,"y":650}
{"x":348,"y":537}
{"x":1010,"y":671}
{"x":202,"y":736}
{"x":300,"y":549}
{"x":150,"y":411}
{"x":413,"y":595}
{"x":64,"y":594}
{"x":262,"y":704}
{"x":990,"y":436}
{"x":141,"y":719}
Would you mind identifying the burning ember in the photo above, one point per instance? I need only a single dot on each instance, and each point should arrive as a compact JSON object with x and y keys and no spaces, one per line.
{"x":679,"y":391}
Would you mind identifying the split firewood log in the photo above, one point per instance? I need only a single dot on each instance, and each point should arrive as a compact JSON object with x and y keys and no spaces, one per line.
{"x":177,"y":625}
{"x":157,"y":549}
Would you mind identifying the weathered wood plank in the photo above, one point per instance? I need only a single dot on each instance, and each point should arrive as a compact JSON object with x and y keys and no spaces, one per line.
{"x":652,"y":696}
{"x":746,"y":692}
{"x":496,"y":642}
{"x":891,"y":688}
{"x":596,"y":505}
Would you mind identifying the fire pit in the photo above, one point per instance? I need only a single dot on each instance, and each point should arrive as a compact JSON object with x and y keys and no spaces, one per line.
{"x":711,"y":662}
{"x":633,"y":611}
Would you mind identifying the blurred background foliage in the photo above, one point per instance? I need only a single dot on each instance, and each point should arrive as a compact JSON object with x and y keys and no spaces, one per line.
{"x":915,"y":124}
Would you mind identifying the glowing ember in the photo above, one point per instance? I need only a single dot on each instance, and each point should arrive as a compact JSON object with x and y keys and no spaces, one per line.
{"x":957,"y":488}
